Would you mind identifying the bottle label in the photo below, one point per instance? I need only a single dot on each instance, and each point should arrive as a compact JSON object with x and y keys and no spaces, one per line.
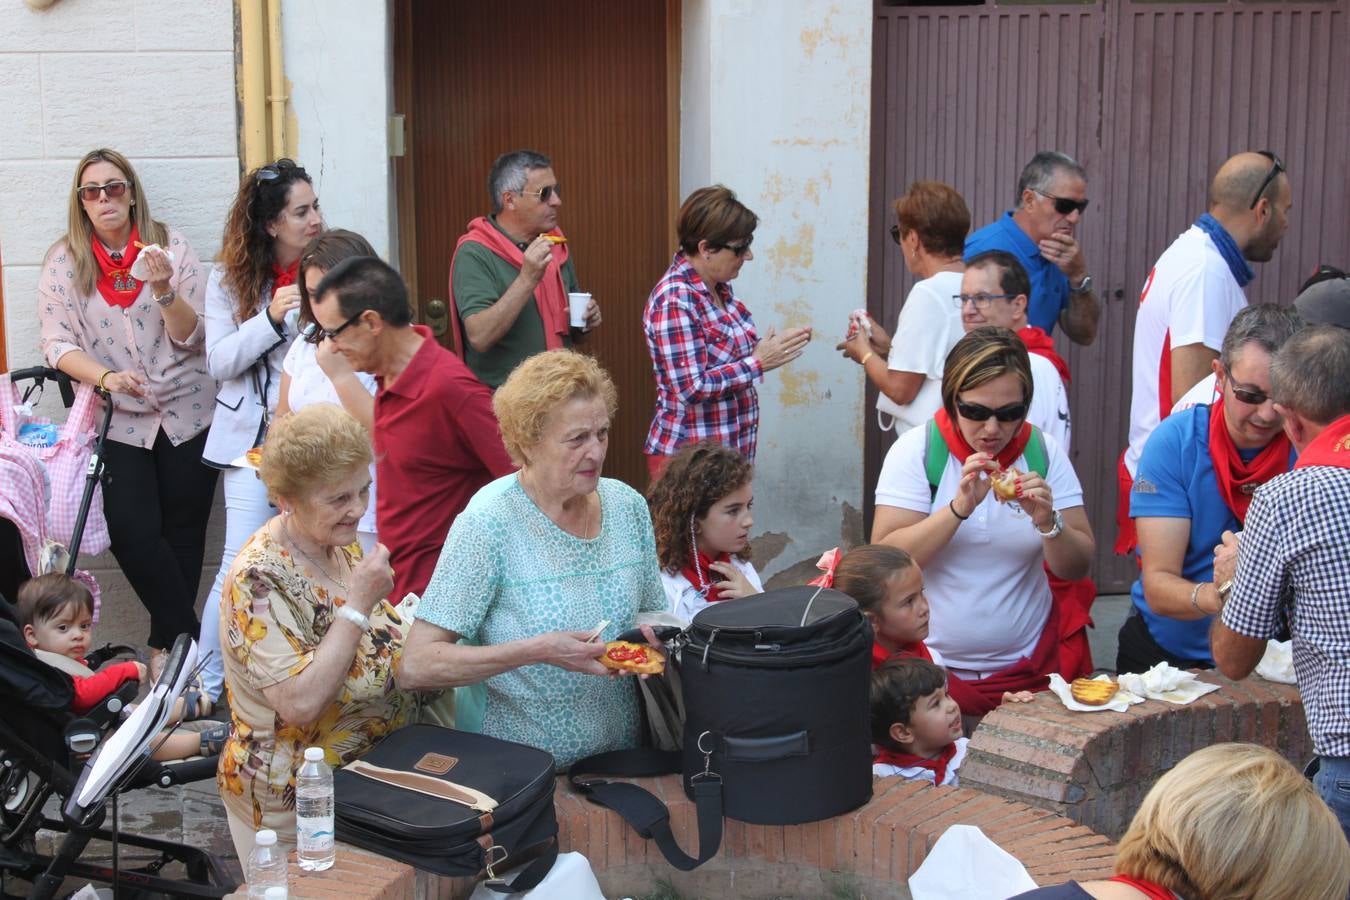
{"x":314,"y":834}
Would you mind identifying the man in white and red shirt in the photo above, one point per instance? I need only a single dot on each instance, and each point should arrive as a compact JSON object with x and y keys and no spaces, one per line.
{"x":1192,"y":295}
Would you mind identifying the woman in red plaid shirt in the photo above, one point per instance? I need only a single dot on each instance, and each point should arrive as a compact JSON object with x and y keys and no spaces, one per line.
{"x":705,"y":351}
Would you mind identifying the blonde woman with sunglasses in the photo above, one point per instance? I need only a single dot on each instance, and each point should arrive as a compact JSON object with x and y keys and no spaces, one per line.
{"x":143,"y":341}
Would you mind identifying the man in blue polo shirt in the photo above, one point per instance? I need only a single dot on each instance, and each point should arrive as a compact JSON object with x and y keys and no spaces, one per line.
{"x":1196,"y":478}
{"x":1039,"y":231}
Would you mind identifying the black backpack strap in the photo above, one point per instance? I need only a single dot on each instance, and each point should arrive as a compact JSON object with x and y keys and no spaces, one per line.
{"x":641,"y":809}
{"x":529,"y":877}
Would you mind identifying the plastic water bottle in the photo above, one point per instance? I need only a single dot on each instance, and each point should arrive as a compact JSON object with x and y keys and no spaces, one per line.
{"x":266,"y":865}
{"x":315,"y":847}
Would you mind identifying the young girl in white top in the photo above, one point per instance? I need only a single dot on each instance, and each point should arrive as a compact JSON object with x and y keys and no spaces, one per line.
{"x":702,"y":519}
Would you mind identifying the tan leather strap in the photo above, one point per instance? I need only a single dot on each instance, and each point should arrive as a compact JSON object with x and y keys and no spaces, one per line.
{"x":425,"y":784}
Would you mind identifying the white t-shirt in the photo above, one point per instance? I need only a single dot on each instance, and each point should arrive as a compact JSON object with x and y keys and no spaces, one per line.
{"x":921,"y":773}
{"x":1190,"y":297}
{"x":1205,"y":392}
{"x":684,"y":600}
{"x":1049,"y":401}
{"x":310,"y":385}
{"x":929,"y":327}
{"x":987,"y":588}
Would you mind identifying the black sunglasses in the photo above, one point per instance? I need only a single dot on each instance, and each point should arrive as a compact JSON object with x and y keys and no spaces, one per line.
{"x":114,"y":189}
{"x":278,"y":169}
{"x":1247,"y":395}
{"x":1276,"y":167}
{"x":977,"y":413}
{"x":738,"y":250}
{"x":895,"y":233}
{"x":314,"y":334}
{"x":544,"y":194}
{"x":1063,"y":205}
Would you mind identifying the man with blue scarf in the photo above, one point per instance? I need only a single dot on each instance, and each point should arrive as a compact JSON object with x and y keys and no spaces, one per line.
{"x":1192,"y":295}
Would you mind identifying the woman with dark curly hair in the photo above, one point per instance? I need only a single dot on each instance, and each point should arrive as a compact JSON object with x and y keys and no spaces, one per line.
{"x":702,"y":519}
{"x":251,"y":300}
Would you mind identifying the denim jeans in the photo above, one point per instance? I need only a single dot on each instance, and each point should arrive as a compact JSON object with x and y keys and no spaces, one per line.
{"x":1333,"y":783}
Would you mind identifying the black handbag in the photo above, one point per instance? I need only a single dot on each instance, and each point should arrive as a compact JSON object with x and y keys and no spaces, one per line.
{"x":777,"y":730}
{"x":452,"y":803}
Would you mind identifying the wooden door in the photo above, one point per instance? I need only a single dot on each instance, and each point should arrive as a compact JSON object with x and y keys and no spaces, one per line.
{"x":591,"y":84}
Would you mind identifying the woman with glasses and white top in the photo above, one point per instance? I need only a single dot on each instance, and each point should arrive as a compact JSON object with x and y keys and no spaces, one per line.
{"x":313,"y":372}
{"x":251,"y":302}
{"x":141,"y":339}
{"x":983,"y":559}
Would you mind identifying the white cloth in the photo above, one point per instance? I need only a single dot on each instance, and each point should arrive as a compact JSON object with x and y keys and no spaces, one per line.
{"x":140,"y":266}
{"x":987,"y":587}
{"x":1277,"y":663}
{"x":1049,"y":401}
{"x":684,"y":598}
{"x":920,"y":773}
{"x":1190,"y":297}
{"x":965,"y":864}
{"x":571,"y":878}
{"x":928,"y":328}
{"x":1166,"y":682}
{"x":310,"y":385}
{"x":1205,"y":392}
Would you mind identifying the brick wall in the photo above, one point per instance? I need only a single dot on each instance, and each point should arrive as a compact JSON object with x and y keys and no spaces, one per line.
{"x":1094,"y":768}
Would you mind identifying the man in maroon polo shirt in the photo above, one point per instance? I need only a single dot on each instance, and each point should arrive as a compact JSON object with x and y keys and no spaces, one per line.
{"x":436,"y":439}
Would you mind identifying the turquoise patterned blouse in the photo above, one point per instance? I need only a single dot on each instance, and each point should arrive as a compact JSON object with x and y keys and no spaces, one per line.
{"x":507,"y":572}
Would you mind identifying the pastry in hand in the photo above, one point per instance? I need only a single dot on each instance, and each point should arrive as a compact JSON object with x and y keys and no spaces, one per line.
{"x":627,"y":656}
{"x":1005,"y":484}
{"x":1091,"y":692}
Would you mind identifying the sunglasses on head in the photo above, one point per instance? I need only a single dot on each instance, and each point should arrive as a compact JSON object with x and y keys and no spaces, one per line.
{"x":315,"y":335}
{"x":544,"y":194}
{"x":977,"y":413}
{"x":278,"y":169}
{"x":114,"y":189}
{"x":1063,"y":205}
{"x":737,"y":250}
{"x":1276,"y":167}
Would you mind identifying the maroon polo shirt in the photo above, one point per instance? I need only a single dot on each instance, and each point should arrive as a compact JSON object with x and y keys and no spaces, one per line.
{"x":436,"y":443}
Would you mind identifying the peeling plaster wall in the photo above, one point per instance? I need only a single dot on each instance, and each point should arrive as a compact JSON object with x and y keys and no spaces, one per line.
{"x":775,"y":103}
{"x":339,"y":67}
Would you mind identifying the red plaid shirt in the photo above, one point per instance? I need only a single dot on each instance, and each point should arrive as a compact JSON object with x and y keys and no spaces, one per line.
{"x":702,"y":357}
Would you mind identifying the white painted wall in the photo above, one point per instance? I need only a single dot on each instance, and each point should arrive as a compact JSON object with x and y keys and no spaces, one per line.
{"x":776,"y":104}
{"x":139,"y":76}
{"x":340,"y":69}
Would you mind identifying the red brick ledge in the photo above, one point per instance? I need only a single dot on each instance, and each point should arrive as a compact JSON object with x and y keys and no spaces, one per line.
{"x":1095,"y":768}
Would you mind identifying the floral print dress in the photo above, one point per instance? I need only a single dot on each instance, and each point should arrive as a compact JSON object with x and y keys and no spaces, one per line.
{"x":272,"y":618}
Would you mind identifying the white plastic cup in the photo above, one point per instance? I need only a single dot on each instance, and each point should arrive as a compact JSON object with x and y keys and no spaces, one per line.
{"x":577,"y":304}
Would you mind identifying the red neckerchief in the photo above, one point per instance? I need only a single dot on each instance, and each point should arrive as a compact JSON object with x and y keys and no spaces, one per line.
{"x":1238,"y":479}
{"x":1042,"y":344}
{"x":114,"y":281}
{"x":918,"y":650}
{"x":908,"y":760}
{"x":957,"y":446}
{"x":1330,"y":448}
{"x":550,"y":297}
{"x":285,"y":277}
{"x":1147,"y":888}
{"x":702,"y":577}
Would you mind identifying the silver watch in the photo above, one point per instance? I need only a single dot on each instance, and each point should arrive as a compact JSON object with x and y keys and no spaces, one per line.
{"x":165,"y":299}
{"x":1083,"y":287}
{"x":1055,"y":528}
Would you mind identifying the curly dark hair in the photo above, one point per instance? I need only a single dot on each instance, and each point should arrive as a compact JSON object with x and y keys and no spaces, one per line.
{"x":246,"y":247}
{"x":697,"y":477}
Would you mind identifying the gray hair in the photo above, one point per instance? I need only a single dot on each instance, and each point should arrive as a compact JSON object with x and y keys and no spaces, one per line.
{"x":1040,"y":173}
{"x":1267,"y":325}
{"x":511,"y":171}
{"x":1311,"y":373}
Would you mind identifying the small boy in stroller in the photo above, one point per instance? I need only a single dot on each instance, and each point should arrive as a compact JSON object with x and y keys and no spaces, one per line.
{"x":56,"y":614}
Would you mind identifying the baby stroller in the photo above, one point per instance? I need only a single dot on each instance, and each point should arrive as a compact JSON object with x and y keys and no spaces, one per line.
{"x":45,"y":752}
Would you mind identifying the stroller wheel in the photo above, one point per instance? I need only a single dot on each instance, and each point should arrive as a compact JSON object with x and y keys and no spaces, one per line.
{"x":16,"y":787}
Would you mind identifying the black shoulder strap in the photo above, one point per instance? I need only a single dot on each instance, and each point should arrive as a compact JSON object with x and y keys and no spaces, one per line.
{"x":640,"y":808}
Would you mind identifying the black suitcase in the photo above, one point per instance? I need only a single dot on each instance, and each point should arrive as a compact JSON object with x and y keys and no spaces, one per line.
{"x":381,"y":803}
{"x":777,"y":731}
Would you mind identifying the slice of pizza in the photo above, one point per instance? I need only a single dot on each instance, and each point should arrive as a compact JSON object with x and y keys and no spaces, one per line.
{"x":627,"y":656}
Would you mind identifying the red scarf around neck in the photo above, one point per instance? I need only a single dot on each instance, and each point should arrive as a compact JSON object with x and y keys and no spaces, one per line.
{"x":887,"y":756}
{"x":702,"y":577}
{"x":880,"y":654}
{"x":550,"y":297}
{"x":1237,"y":478}
{"x":957,"y":446}
{"x":1147,"y":888}
{"x":114,"y":280}
{"x":1042,"y":344}
{"x":285,"y":277}
{"x":1330,"y":448}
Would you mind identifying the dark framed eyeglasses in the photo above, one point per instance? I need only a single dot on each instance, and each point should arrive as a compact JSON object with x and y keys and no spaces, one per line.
{"x":544,"y":194}
{"x":977,"y":413}
{"x":1248,"y":395}
{"x":737,"y":250}
{"x":114,"y":189}
{"x":1063,"y":205}
{"x":981,"y":301}
{"x":1276,"y":167}
{"x":278,"y":169}
{"x":318,"y":335}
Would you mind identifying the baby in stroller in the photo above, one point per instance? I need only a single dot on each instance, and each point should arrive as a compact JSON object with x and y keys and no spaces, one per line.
{"x":56,"y":614}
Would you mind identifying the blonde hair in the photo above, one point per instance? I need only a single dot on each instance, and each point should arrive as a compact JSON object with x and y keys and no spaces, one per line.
{"x":540,"y":385}
{"x":982,"y":355}
{"x":1236,"y":821}
{"x":309,"y":448}
{"x":80,"y":231}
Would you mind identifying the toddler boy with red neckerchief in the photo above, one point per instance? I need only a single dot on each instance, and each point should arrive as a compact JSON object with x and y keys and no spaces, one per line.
{"x":916,"y":727}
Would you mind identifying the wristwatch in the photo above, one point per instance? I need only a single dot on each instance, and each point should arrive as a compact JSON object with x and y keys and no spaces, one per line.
{"x":1055,"y":528}
{"x":1083,"y":286}
{"x":1224,"y":590}
{"x":359,"y":619}
{"x":165,"y":299}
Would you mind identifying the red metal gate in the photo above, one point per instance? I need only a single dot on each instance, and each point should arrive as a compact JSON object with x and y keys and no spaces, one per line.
{"x":1150,"y":97}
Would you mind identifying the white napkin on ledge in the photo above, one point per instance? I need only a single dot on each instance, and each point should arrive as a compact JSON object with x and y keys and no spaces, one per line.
{"x":1122,"y":701}
{"x":1166,"y":682}
{"x":1278,"y":663}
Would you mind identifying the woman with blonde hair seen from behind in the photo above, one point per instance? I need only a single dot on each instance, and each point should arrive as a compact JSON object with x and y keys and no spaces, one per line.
{"x":1229,"y":822}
